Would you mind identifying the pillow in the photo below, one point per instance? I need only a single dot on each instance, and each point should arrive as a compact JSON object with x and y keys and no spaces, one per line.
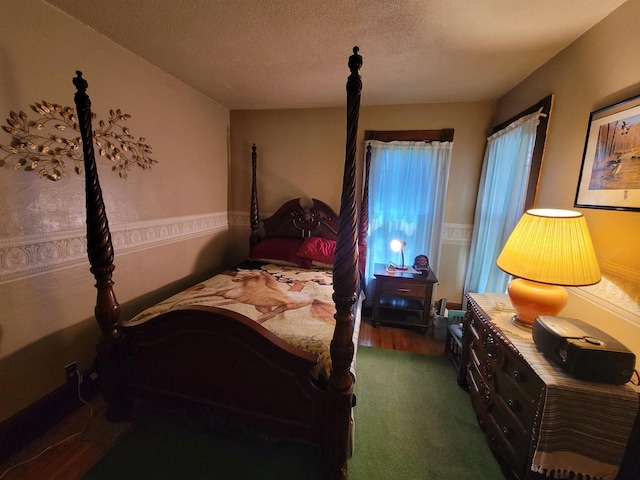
{"x":318,"y":249}
{"x":281,"y":251}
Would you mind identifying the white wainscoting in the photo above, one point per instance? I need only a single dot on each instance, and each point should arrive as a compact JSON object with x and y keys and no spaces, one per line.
{"x":22,"y":257}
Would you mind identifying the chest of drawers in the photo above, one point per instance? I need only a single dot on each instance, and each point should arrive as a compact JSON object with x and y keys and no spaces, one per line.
{"x":505,"y":392}
{"x":509,"y":397}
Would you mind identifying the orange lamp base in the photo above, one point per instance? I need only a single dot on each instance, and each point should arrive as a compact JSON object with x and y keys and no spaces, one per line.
{"x":531,"y":299}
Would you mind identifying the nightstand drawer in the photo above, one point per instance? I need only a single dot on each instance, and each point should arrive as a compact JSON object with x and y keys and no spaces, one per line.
{"x":403,"y":288}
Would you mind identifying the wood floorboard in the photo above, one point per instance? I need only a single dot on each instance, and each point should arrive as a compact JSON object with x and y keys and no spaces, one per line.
{"x":71,"y":459}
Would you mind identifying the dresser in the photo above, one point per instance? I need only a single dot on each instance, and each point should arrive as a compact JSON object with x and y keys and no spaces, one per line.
{"x":519,"y":397}
{"x":403,"y":298}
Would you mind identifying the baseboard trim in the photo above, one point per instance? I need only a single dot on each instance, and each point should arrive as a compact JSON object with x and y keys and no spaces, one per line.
{"x":30,"y":423}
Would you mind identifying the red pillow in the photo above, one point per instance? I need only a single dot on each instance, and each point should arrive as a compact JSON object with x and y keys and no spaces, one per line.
{"x":280,"y":250}
{"x":318,"y":249}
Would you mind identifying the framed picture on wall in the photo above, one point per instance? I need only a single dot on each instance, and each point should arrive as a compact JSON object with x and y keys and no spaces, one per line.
{"x":610,"y":173}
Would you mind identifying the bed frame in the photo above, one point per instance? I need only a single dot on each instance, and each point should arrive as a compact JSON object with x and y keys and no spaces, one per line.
{"x":223,"y":360}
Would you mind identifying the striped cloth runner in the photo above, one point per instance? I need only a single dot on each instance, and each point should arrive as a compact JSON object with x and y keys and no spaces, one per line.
{"x":585,"y":426}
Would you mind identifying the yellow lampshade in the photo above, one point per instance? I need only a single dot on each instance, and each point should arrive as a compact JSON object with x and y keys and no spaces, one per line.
{"x":551,"y":247}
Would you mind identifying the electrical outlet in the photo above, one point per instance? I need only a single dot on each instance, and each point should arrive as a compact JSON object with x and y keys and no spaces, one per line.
{"x":72,"y":371}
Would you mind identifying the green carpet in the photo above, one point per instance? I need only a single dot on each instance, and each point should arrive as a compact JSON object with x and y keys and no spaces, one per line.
{"x":413,"y":422}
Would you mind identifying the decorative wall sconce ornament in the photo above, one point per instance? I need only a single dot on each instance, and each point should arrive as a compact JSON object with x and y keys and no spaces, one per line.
{"x":44,"y":144}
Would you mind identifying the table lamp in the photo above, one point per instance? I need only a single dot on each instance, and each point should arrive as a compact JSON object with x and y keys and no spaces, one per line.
{"x":398,"y":246}
{"x":547,"y":250}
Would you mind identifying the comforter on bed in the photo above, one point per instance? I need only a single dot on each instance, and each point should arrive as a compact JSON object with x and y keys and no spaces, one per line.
{"x":295,"y":304}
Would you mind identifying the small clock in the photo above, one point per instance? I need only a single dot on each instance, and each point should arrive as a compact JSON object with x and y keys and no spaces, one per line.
{"x":421,"y":263}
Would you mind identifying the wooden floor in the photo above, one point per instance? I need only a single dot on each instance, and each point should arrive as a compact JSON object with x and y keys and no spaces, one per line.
{"x":403,"y":339}
{"x":72,"y":458}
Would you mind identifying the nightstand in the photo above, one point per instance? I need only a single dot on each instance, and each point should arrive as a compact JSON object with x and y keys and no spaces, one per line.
{"x":402,"y":298}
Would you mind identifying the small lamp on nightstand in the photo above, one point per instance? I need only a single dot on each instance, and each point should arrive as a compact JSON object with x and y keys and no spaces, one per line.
{"x":547,"y":249}
{"x":398,"y":246}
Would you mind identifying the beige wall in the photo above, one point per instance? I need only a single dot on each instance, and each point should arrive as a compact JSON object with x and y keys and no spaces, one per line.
{"x":46,"y":315}
{"x":301,"y":153}
{"x":599,"y":69}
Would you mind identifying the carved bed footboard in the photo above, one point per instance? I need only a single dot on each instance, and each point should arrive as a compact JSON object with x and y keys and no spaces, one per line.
{"x":223,"y":360}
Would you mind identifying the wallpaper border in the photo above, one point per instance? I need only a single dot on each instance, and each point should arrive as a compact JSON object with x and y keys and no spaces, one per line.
{"x":452,"y":233}
{"x":22,"y":257}
{"x":27,"y":256}
{"x":618,"y":291}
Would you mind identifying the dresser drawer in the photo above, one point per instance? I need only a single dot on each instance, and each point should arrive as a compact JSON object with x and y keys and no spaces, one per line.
{"x":519,"y":403}
{"x":403,"y":288}
{"x":507,"y":439}
{"x":511,"y":441}
{"x":522,"y":378}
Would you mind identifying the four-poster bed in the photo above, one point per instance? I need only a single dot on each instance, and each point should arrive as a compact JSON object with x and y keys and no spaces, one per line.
{"x":222,"y":359}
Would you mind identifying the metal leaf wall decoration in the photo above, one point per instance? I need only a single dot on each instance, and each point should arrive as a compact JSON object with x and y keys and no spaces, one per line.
{"x":45,"y":144}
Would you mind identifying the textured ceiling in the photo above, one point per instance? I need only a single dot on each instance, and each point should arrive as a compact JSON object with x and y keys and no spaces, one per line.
{"x":265,"y":54}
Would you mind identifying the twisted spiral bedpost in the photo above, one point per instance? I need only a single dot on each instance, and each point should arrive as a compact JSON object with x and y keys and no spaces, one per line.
{"x":254,"y":216}
{"x":100,"y":253}
{"x":364,"y":213}
{"x":99,"y":246}
{"x":345,"y":284}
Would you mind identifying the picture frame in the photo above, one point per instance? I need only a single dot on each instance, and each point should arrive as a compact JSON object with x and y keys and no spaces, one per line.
{"x":610,"y":172}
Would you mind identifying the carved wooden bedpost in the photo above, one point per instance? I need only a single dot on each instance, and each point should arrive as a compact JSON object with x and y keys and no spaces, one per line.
{"x":100,"y":251}
{"x":254,"y":217}
{"x":364,"y":213}
{"x":345,"y":284}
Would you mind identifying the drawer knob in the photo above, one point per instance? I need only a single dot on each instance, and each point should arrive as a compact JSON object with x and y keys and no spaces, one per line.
{"x":516,"y":376}
{"x":513,"y":405}
{"x":506,"y":431}
{"x":491,"y":347}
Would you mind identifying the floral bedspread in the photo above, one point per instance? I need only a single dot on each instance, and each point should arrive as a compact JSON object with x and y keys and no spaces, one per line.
{"x":294,"y":304}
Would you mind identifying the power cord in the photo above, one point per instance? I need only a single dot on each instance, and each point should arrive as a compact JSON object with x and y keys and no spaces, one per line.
{"x":79,"y":377}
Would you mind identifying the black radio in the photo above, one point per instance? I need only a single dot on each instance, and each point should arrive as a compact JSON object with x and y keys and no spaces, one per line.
{"x":582,"y":350}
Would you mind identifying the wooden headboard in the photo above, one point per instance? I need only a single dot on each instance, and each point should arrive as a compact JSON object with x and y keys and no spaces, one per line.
{"x":298,"y":221}
{"x":294,"y":220}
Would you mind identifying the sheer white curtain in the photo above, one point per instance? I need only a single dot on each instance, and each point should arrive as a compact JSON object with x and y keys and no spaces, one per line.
{"x":407,"y":190}
{"x":500,"y":204}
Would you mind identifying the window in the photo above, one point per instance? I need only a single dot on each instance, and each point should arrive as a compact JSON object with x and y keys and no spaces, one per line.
{"x":507,"y":189}
{"x":407,"y":189}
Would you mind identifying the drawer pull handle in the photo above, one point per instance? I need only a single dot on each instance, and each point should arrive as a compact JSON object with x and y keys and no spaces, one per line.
{"x":513,"y":405}
{"x":516,"y":376}
{"x":405,"y":290}
{"x":491,"y":347}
